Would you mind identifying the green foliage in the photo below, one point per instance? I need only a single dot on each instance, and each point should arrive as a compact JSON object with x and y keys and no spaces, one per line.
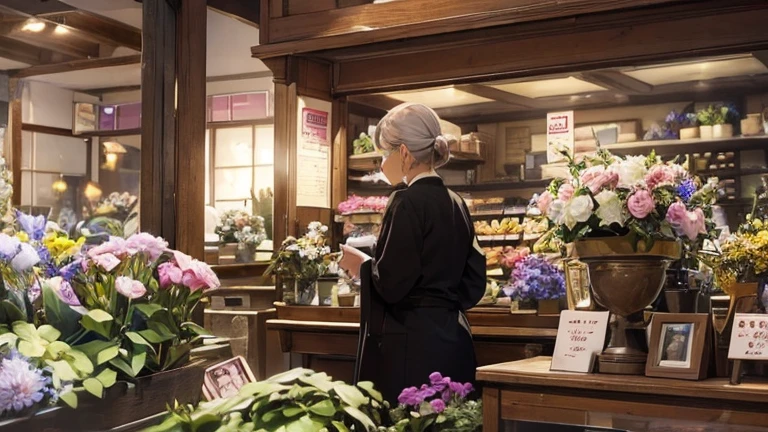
{"x":295,"y":401}
{"x":363,"y":144}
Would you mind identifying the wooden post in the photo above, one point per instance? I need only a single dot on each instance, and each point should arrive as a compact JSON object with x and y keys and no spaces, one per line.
{"x":14,"y":136}
{"x":173,"y":122}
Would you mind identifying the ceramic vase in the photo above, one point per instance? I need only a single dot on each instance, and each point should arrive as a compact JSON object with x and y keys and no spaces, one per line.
{"x":722,"y":131}
{"x":705,"y":132}
{"x":689,"y":133}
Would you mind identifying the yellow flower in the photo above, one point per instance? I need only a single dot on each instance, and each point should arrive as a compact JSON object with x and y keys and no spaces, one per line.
{"x":757,"y":223}
{"x":21,"y":235}
{"x":762,"y":235}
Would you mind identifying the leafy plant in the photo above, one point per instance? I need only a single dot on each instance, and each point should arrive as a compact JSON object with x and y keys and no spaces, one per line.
{"x":717,"y":115}
{"x":363,"y":144}
{"x":298,"y":400}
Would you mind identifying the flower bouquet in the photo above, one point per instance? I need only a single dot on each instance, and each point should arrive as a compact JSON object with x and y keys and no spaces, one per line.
{"x":442,"y":405}
{"x":743,"y":256}
{"x":534,"y":279}
{"x":300,"y":263}
{"x":237,"y":226}
{"x":115,"y":215}
{"x":636,"y":196}
{"x":676,"y":123}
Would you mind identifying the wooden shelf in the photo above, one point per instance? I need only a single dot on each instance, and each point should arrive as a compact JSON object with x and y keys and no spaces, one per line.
{"x":372,"y":161}
{"x":672,"y":147}
{"x":507,"y":237}
{"x":502,"y":186}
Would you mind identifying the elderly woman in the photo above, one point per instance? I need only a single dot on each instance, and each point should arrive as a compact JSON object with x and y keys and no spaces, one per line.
{"x":427,"y":269}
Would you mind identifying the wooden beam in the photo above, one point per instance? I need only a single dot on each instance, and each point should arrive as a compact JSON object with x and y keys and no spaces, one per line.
{"x":14,"y":123}
{"x":48,"y":130}
{"x":498,"y":95}
{"x":20,"y":51}
{"x":37,"y":7}
{"x":106,"y":90}
{"x":379,"y":101}
{"x":76,"y":65}
{"x":99,"y":28}
{"x":242,"y":76}
{"x":190,"y":127}
{"x":246,"y":11}
{"x":70,"y":44}
{"x":615,"y":80}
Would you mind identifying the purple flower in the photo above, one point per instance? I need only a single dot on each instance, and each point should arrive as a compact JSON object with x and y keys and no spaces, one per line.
{"x":686,"y":189}
{"x":34,"y":291}
{"x":439,"y":383}
{"x":438,"y":405}
{"x":461,"y":390}
{"x":21,"y":385}
{"x":9,"y":247}
{"x":25,"y":259}
{"x":410,"y":397}
{"x":46,"y":262}
{"x":427,"y":392}
{"x":69,"y":271}
{"x":64,"y":291}
{"x":535,"y":278}
{"x":146,"y":243}
{"x":34,"y":226}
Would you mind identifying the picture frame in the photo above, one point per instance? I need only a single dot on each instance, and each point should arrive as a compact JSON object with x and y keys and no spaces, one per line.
{"x":679,"y":346}
{"x":226,"y":378}
{"x":85,"y":118}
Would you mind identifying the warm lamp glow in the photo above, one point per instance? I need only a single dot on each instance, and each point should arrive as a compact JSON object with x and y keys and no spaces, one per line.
{"x":92,"y":191}
{"x":60,"y":185}
{"x":33,"y":25}
{"x":60,"y":30}
{"x":111,"y":158}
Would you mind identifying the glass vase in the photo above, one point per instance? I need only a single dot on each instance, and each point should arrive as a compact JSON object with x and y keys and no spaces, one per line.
{"x":305,"y":291}
{"x":245,"y":253}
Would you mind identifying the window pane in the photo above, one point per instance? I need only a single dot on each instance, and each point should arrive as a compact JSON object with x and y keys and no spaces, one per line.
{"x":220,"y":108}
{"x":207,"y":166}
{"x":129,"y":116}
{"x":263,"y":178}
{"x":26,"y":149}
{"x":233,"y":183}
{"x":222,"y":206}
{"x":107,"y":116}
{"x":234,"y":147}
{"x":249,"y":106}
{"x":265,"y":147}
{"x":59,"y":154}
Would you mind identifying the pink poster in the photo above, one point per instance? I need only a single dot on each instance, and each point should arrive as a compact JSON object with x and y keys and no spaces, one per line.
{"x":314,"y":128}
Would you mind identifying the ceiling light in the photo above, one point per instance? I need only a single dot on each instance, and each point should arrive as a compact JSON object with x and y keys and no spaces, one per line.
{"x":92,"y":191}
{"x":60,"y":185}
{"x":33,"y":25}
{"x":60,"y":30}
{"x":113,"y":147}
{"x":109,"y":110}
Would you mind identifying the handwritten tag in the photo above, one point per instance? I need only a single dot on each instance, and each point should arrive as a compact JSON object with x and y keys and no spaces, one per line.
{"x":580,"y":336}
{"x":749,"y":337}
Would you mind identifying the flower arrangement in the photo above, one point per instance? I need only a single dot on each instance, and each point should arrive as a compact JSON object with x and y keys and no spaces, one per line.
{"x":363,"y":144}
{"x":638,"y":196}
{"x":441,"y":405}
{"x":24,"y":384}
{"x":718,"y":115}
{"x":114,"y":215}
{"x":535,"y":278}
{"x":676,"y":121}
{"x":356,"y":204}
{"x":237,"y":226}
{"x":306,"y":258}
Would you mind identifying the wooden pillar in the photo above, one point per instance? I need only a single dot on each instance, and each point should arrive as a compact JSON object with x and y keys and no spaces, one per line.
{"x":173,"y":122}
{"x":13,"y":136}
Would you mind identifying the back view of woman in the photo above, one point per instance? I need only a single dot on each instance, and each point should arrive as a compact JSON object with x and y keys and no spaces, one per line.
{"x":428,"y":269}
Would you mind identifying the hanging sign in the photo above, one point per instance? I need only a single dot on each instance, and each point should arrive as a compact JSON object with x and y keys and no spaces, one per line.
{"x":580,"y":337}
{"x":560,"y":135}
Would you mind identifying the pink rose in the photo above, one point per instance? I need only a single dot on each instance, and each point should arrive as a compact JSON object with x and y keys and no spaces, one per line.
{"x":170,"y":274}
{"x":597,"y":177}
{"x":640,"y":204}
{"x":146,"y":243}
{"x":686,"y":223}
{"x":107,"y":261}
{"x":130,"y":288}
{"x":115,"y":246}
{"x":544,"y":201}
{"x":565,"y":192}
{"x":659,"y":175}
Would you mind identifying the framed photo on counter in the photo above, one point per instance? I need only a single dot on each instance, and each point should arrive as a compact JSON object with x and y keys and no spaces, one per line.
{"x":679,"y":346}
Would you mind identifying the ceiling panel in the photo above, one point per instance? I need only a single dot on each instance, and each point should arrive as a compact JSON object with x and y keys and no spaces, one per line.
{"x":440,"y":98}
{"x":6,"y":64}
{"x":699,"y":71}
{"x":549,"y":87}
{"x":115,"y":76}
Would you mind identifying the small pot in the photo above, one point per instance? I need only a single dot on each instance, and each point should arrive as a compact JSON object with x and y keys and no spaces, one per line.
{"x":705,"y":132}
{"x":752,"y":125}
{"x":722,"y":131}
{"x":347,"y":300}
{"x":689,"y":133}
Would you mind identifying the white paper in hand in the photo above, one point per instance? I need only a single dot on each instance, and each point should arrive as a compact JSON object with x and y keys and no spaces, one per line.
{"x":351,"y":260}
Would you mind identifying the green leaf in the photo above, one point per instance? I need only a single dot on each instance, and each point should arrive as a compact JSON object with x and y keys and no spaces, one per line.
{"x":138,"y":361}
{"x":323,"y":408}
{"x":368,"y":387}
{"x":107,"y":378}
{"x":289,"y":376}
{"x":320,"y":381}
{"x":100,"y":316}
{"x":94,"y":387}
{"x":304,"y":424}
{"x":25,"y":331}
{"x":62,"y":369}
{"x":148,"y":309}
{"x":70,"y":398}
{"x":137,"y":339}
{"x":177,"y":355}
{"x":48,"y":333}
{"x":341,"y":427}
{"x":360,"y":417}
{"x":80,"y":361}
{"x":29,"y":349}
{"x":12,"y":311}
{"x":153,"y":337}
{"x":93,"y":348}
{"x":292,"y":411}
{"x":196,"y":329}
{"x":107,"y":354}
{"x":98,"y":322}
{"x":122,"y":366}
{"x":351,"y":395}
{"x":59,"y":314}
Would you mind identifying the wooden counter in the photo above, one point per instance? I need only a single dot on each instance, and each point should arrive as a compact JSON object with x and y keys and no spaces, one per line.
{"x":326,"y":337}
{"x":527,"y":391}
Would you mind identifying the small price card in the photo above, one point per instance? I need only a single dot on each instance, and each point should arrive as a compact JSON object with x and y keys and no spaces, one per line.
{"x":580,"y":336}
{"x":749,"y":338}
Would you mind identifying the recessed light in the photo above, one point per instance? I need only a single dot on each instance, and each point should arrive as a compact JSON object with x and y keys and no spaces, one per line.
{"x":60,"y":30}
{"x":33,"y":25}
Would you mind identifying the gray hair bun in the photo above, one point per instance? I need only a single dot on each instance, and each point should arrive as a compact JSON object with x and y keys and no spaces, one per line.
{"x":417,"y":127}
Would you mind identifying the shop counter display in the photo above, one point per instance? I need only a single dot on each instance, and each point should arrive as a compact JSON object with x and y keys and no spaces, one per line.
{"x":527,"y":391}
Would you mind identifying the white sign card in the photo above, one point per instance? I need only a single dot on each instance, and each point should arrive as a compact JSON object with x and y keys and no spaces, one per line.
{"x":313,"y":164}
{"x":580,"y":337}
{"x":560,"y":135}
{"x":749,"y":337}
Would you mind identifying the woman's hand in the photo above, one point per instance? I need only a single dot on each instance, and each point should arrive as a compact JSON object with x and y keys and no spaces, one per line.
{"x":351,"y":260}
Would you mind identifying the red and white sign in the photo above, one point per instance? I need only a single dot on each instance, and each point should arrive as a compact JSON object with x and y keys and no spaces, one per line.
{"x":314,"y":127}
{"x":560,"y":135}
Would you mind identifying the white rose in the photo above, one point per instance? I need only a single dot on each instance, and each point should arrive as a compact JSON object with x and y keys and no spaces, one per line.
{"x":631,"y":171}
{"x":611,"y":209}
{"x":555,"y":211}
{"x":578,"y":209}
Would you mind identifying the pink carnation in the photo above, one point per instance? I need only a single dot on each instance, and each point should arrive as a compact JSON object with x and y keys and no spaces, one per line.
{"x":686,"y":223}
{"x":544,"y":201}
{"x":115,"y":246}
{"x":107,"y":261}
{"x":195,"y":274}
{"x":565,"y":192}
{"x":660,"y":175}
{"x":640,"y":204}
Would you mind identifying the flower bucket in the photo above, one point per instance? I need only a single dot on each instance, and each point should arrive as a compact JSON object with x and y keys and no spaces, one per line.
{"x":304,"y":291}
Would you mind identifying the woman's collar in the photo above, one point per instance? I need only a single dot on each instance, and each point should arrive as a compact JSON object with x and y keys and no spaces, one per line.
{"x":428,"y":174}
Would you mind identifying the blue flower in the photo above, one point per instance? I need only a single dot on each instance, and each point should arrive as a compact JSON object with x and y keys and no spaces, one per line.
{"x":21,"y":384}
{"x":46,"y":262}
{"x":69,"y":271}
{"x":534,"y":278}
{"x":686,"y":189}
{"x":34,"y":226}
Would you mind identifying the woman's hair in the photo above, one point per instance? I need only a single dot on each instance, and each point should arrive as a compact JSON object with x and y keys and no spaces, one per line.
{"x":418,"y":128}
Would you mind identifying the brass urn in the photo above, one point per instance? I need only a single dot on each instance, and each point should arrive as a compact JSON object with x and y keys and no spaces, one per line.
{"x":625,"y":280}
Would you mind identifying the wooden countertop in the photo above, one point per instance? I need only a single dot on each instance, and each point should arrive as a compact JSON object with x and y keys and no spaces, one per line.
{"x":535,"y":372}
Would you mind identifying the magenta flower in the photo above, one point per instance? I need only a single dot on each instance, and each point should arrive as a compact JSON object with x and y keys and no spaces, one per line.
{"x":410,"y":397}
{"x":130,"y":288}
{"x":438,"y":405}
{"x":64,"y":291}
{"x":640,"y":204}
{"x":461,"y":390}
{"x":196,"y":275}
{"x":21,"y":385}
{"x":686,"y":223}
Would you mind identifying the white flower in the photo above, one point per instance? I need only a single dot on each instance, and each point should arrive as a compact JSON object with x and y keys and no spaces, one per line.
{"x":631,"y":171}
{"x":25,"y":259}
{"x":578,"y":209}
{"x":323,"y":229}
{"x":555,"y":212}
{"x":9,"y":246}
{"x":611,"y":209}
{"x":292,"y":248}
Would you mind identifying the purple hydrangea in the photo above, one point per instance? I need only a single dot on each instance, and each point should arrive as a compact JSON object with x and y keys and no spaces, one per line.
{"x":21,"y":384}
{"x":461,"y":390}
{"x":534,"y":278}
{"x":686,"y":189}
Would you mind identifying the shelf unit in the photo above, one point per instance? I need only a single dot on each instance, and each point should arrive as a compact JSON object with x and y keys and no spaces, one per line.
{"x":369,"y":162}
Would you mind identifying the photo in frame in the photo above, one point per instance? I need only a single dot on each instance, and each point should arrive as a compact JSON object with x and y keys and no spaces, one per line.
{"x":226,"y":378}
{"x":679,"y":346}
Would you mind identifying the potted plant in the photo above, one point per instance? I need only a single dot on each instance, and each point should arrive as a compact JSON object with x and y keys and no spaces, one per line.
{"x":717,"y":121}
{"x":536,"y":281}
{"x":240,"y":234}
{"x":682,"y":125}
{"x":299,"y":263}
{"x":627,"y":218}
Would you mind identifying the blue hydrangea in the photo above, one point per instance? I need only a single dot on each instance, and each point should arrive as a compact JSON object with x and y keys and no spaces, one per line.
{"x":534,"y":278}
{"x":686,"y":189}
